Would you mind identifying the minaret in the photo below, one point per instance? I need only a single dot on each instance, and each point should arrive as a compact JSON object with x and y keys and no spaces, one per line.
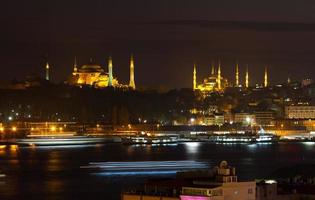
{"x":237,"y":83}
{"x":212,"y":68}
{"x":195,"y":78}
{"x":110,"y":72}
{"x":47,"y":71}
{"x":219,"y":76}
{"x":75,"y":67}
{"x":247,"y":78}
{"x":132,"y":74}
{"x":266,"y":77}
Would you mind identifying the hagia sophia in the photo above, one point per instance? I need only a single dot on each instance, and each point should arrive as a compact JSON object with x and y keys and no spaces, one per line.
{"x":94,"y":75}
{"x":217,"y":83}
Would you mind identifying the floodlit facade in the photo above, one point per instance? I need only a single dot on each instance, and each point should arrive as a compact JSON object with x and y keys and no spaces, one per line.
{"x":211,"y":120}
{"x":300,"y":112}
{"x":94,"y":75}
{"x":214,"y":83}
{"x":264,"y":117}
{"x":217,"y":83}
{"x":244,"y":118}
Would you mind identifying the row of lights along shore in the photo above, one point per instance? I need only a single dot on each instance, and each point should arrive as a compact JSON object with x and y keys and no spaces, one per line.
{"x":14,"y":129}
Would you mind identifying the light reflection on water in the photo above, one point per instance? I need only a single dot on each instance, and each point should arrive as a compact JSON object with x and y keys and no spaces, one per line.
{"x":192,"y":147}
{"x":55,"y":171}
{"x":76,"y":146}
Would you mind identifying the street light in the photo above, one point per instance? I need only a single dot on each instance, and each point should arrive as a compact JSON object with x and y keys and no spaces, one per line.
{"x":14,"y":128}
{"x":53,"y":128}
{"x":192,"y":120}
{"x":248,"y":119}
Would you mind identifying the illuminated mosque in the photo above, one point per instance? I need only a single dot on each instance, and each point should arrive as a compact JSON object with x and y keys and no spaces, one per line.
{"x":217,"y":83}
{"x":214,"y":83}
{"x":94,"y":75}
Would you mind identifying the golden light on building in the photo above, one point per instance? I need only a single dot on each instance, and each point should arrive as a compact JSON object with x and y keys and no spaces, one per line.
{"x":1,"y":129}
{"x":75,"y":66}
{"x":132,"y":83}
{"x":47,"y":72}
{"x":219,"y":76}
{"x":266,"y":77}
{"x":14,"y":148}
{"x":110,"y":71}
{"x":247,"y":78}
{"x":213,"y":83}
{"x":237,"y":83}
{"x":94,"y":75}
{"x":194,"y":78}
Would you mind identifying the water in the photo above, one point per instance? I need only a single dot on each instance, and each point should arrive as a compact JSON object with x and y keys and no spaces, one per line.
{"x":55,"y":173}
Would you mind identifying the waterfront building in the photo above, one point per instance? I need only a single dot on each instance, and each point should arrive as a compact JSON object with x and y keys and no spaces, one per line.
{"x":300,"y":112}
{"x":245,"y":118}
{"x":214,"y":120}
{"x":264,"y":118}
{"x":94,"y":75}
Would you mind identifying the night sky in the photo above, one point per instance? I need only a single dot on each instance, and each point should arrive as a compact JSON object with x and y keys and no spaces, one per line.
{"x":165,"y":36}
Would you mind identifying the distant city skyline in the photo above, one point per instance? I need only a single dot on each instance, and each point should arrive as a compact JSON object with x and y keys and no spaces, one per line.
{"x":169,"y":39}
{"x":256,"y":72}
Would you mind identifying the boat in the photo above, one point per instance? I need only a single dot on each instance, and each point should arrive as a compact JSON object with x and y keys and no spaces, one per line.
{"x":149,"y":140}
{"x":263,"y":136}
{"x":260,"y":137}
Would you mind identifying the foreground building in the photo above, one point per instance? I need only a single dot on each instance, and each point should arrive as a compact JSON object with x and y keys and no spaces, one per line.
{"x":221,"y":183}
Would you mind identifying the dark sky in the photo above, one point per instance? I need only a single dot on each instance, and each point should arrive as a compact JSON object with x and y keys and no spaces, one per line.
{"x":166,"y":37}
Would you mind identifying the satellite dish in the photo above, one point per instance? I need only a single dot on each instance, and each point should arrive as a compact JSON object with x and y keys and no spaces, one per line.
{"x":223,"y":164}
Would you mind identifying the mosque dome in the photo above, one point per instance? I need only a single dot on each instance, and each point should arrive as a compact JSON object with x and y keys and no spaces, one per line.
{"x":91,"y":68}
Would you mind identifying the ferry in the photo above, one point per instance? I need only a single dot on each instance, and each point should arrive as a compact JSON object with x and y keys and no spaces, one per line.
{"x":260,"y":137}
{"x":149,"y":140}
